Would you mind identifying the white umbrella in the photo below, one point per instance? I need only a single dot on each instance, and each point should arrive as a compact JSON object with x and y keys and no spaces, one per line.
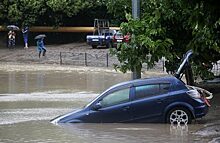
{"x":40,"y":36}
{"x":12,"y":27}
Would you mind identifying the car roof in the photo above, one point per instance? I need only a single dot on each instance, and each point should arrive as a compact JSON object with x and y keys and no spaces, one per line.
{"x":155,"y":80}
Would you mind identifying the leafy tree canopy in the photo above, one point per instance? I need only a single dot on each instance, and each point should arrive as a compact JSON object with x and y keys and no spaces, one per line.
{"x":169,"y":28}
{"x":30,"y":12}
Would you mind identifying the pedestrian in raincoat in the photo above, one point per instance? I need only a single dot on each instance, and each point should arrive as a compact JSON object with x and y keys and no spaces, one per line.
{"x":40,"y":47}
{"x":25,"y":31}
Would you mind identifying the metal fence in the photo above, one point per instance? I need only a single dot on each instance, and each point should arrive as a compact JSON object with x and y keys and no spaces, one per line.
{"x":107,"y":60}
{"x":88,"y":59}
{"x":98,"y":60}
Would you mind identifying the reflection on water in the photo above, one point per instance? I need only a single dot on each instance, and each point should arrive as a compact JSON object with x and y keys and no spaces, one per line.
{"x":128,"y":132}
{"x":179,"y":131}
{"x":42,"y":131}
{"x":28,"y":100}
{"x":26,"y":82}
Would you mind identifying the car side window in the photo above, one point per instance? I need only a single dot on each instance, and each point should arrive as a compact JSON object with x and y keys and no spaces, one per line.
{"x":151,"y":89}
{"x":116,"y":97}
{"x":146,"y":90}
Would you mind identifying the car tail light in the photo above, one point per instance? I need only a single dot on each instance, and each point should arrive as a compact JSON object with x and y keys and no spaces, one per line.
{"x":194,"y":93}
{"x":114,"y":39}
{"x":206,"y":101}
{"x":199,"y":93}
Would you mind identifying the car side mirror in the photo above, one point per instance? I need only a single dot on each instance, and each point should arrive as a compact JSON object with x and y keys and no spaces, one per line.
{"x":97,"y":106}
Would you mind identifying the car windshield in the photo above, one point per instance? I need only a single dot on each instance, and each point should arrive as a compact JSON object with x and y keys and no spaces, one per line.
{"x":93,"y":100}
{"x":118,"y":34}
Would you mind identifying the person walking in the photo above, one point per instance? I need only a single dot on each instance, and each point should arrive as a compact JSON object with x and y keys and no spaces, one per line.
{"x":11,"y":39}
{"x":40,"y":47}
{"x":25,"y":31}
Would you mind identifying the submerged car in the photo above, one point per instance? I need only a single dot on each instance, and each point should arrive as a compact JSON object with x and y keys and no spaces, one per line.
{"x":162,"y":99}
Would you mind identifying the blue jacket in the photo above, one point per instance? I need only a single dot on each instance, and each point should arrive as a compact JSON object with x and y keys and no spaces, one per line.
{"x":40,"y":45}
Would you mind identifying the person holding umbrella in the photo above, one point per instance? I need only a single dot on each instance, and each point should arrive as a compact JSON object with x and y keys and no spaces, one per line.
{"x":11,"y":35}
{"x":11,"y":38}
{"x":40,"y":44}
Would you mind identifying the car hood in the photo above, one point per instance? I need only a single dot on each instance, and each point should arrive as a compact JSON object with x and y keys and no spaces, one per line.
{"x":65,"y":117}
{"x":183,"y":65}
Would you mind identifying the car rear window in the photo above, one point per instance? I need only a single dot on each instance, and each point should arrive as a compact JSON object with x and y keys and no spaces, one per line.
{"x":151,"y":90}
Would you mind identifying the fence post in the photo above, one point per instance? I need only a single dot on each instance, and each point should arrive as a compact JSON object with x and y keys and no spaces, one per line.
{"x":107,"y":59}
{"x":61,"y":58}
{"x":86,"y":59}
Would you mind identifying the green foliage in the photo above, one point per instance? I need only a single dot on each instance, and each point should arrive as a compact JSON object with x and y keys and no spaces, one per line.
{"x":201,"y":33}
{"x":118,"y":8}
{"x":147,"y":45}
{"x":169,"y":28}
{"x":13,"y":13}
{"x":21,"y":11}
{"x":32,"y":12}
{"x":65,"y":8}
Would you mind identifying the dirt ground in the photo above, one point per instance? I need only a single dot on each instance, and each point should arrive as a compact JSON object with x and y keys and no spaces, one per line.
{"x":30,"y":55}
{"x":72,"y":54}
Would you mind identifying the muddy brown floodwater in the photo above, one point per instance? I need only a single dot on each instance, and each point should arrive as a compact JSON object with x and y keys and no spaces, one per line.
{"x":31,"y":95}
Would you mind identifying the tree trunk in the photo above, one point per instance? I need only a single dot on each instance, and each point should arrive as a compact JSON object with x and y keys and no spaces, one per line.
{"x":136,"y":73}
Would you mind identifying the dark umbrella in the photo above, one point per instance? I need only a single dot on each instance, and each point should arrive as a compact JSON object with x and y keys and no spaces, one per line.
{"x":12,"y":27}
{"x":40,"y":36}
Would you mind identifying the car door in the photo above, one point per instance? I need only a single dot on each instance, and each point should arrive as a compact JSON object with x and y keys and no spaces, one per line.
{"x":115,"y":106}
{"x":149,"y":102}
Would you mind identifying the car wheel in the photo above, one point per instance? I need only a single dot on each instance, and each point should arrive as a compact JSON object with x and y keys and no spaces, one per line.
{"x":179,"y":116}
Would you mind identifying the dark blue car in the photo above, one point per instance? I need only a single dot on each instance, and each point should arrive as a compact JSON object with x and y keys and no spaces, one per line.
{"x":164,"y":99}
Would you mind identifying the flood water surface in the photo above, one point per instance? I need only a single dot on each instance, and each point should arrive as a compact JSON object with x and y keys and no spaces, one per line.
{"x":30,"y":99}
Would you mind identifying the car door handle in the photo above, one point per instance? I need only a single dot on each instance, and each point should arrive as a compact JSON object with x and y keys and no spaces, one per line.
{"x":126,"y":108}
{"x":160,"y":100}
{"x":163,"y":100}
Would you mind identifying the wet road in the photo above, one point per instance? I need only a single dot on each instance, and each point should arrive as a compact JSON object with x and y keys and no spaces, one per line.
{"x":29,"y":99}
